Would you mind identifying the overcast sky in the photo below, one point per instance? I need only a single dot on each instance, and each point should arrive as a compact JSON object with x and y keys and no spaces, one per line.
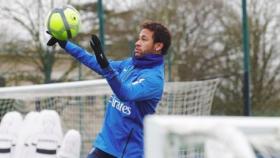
{"x":14,"y":31}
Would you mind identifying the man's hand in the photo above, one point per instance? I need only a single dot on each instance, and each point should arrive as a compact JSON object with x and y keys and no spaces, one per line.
{"x":98,"y":51}
{"x":53,"y":41}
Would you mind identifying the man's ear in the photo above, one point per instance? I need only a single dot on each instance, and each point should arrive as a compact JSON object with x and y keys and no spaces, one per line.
{"x":158,"y":46}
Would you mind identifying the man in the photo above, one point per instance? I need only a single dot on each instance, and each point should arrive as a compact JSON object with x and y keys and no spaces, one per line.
{"x":137,"y":84}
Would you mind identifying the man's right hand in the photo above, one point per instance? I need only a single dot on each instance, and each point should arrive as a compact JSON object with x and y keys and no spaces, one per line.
{"x":52,"y":41}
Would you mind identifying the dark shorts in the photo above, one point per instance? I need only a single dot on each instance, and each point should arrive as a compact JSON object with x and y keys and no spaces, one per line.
{"x":97,"y":153}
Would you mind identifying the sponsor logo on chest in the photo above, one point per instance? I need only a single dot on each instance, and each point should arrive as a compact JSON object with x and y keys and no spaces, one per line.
{"x":120,"y":106}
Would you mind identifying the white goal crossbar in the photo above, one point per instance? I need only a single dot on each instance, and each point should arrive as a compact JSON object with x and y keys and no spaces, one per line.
{"x":82,"y":88}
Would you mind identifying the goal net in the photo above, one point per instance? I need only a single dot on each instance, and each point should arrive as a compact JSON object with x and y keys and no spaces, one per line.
{"x":211,"y":137}
{"x":81,"y":104}
{"x":188,"y":98}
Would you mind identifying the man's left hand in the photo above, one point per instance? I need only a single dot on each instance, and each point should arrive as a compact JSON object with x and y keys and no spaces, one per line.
{"x":98,"y":51}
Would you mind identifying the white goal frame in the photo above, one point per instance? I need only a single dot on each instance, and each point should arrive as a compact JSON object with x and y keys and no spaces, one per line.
{"x":239,"y":134}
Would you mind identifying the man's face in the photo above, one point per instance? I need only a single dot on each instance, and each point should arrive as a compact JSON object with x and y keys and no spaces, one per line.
{"x":145,"y":43}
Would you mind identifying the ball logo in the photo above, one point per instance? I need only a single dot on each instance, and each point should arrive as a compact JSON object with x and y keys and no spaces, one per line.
{"x":120,"y":106}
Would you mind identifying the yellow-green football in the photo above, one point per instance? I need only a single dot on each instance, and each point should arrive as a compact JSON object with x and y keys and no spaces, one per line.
{"x":63,"y":23}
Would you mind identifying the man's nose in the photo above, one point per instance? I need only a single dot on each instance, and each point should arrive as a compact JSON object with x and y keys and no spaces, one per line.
{"x":137,"y":43}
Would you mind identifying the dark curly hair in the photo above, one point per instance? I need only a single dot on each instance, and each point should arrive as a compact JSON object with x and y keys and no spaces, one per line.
{"x":161,"y":34}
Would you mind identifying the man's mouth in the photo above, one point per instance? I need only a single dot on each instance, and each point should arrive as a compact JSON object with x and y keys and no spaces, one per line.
{"x":137,"y":50}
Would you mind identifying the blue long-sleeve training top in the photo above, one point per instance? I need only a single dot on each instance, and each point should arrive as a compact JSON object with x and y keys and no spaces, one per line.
{"x":137,"y":84}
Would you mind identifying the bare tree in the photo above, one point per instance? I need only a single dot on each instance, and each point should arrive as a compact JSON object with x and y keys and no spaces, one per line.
{"x":207,"y":42}
{"x":193,"y":50}
{"x":30,"y":42}
{"x":120,"y":30}
{"x":265,"y":68}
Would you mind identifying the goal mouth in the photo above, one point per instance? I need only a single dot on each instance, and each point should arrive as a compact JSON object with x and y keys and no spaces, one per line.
{"x":81,"y":104}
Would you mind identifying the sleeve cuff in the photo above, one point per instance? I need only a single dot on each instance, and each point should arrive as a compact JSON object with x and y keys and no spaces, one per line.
{"x":109,"y":73}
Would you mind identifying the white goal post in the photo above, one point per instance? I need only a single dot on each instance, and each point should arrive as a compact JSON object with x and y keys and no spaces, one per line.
{"x":211,"y":137}
{"x":81,"y":104}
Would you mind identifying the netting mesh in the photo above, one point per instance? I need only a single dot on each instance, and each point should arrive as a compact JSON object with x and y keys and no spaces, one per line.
{"x":188,"y":98}
{"x":83,"y":113}
{"x":7,"y":105}
{"x":81,"y":105}
{"x":182,"y":148}
{"x":197,"y":145}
